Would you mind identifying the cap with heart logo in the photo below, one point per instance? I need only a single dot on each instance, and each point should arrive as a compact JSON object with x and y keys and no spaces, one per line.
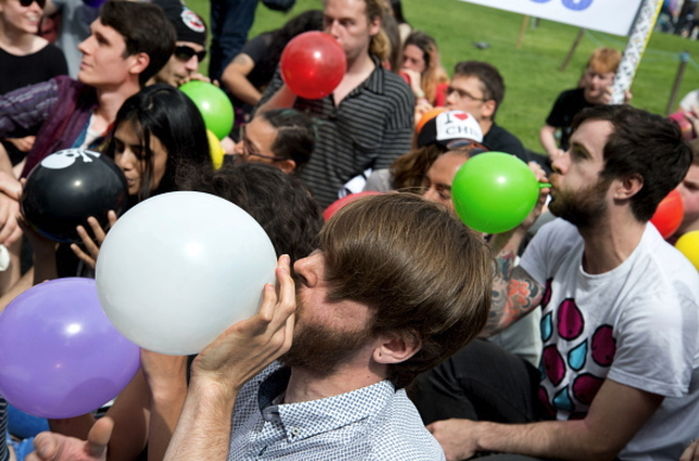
{"x":450,"y":126}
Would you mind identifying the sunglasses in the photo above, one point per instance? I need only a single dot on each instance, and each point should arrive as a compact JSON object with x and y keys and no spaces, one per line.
{"x":182,"y":52}
{"x":26,"y":3}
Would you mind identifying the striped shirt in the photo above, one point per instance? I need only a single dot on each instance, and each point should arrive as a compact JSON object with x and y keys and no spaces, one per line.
{"x":373,"y":423}
{"x":370,"y":128}
{"x":4,"y":452}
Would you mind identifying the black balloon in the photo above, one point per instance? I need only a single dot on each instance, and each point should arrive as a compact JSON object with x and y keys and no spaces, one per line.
{"x":67,"y":187}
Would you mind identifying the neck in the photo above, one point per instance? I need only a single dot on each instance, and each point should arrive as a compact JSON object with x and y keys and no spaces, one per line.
{"x":16,"y":41}
{"x":362,"y":64}
{"x":611,"y":241}
{"x":486,"y":125}
{"x":305,"y":385}
{"x":111,"y":99}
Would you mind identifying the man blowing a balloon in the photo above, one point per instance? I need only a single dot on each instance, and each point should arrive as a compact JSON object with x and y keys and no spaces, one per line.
{"x":376,"y":304}
{"x":620,"y":311}
{"x":366,"y":120}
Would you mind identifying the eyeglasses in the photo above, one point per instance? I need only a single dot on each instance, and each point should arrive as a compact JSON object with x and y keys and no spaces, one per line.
{"x":464,"y":94}
{"x":182,"y":52}
{"x":249,"y":149}
{"x":26,"y":3}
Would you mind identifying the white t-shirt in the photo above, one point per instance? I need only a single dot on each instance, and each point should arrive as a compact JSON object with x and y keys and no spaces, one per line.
{"x":636,"y":325}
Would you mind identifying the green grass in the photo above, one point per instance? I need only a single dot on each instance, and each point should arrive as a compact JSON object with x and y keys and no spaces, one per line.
{"x":531,"y":72}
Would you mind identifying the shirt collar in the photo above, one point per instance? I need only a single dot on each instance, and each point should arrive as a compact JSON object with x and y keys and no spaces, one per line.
{"x":307,"y":419}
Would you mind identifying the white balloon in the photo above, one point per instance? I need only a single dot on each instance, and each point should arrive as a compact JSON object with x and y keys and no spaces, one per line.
{"x":179,"y":268}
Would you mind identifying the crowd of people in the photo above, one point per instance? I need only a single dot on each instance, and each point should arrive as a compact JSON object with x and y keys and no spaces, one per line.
{"x":394,"y":331}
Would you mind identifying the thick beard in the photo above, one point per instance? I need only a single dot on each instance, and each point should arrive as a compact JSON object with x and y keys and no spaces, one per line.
{"x":320,"y":350}
{"x":582,"y":208}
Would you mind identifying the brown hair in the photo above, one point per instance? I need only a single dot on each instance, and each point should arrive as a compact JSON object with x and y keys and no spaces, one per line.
{"x":417,"y":267}
{"x":434,"y":73}
{"x":604,"y":60}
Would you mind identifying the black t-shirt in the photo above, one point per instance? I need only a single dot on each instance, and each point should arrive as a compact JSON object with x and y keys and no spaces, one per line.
{"x":566,"y":107}
{"x":261,"y":74}
{"x":37,"y":67}
{"x":500,"y":140}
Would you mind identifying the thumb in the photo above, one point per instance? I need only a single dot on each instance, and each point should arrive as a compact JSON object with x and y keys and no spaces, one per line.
{"x":45,"y":445}
{"x":98,"y":437}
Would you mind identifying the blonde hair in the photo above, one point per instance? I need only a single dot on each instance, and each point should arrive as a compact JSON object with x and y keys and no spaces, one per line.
{"x":434,"y":74}
{"x":604,"y":60}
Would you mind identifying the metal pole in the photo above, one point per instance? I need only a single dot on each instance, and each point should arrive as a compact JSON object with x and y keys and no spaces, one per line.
{"x":684,"y":58}
{"x":640,"y":34}
{"x":571,"y":51}
{"x":522,"y":29}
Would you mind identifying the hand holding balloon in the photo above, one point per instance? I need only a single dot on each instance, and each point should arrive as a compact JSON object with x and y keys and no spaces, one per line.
{"x":92,"y":245}
{"x":313,"y":64}
{"x":248,"y":346}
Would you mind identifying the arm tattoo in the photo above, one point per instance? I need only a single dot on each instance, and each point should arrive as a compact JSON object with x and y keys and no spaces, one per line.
{"x":514,"y":294}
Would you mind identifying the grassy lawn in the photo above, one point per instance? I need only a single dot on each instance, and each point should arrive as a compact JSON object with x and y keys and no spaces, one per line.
{"x":531,"y":72}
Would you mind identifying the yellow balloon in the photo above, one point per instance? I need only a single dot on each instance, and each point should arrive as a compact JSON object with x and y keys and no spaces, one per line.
{"x":215,"y":150}
{"x":688,"y":244}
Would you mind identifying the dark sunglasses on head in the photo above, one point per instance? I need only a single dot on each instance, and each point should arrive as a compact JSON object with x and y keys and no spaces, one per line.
{"x":26,"y":3}
{"x":182,"y":52}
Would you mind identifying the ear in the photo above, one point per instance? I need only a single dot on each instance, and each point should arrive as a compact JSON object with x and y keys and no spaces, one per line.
{"x":139,"y":62}
{"x":396,"y":347}
{"x":488,"y":110}
{"x":287,"y":166}
{"x":374,"y":26}
{"x":627,"y":187}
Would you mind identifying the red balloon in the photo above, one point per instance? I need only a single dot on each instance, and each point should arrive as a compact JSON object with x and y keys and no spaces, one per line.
{"x":313,"y":64}
{"x":668,"y":216}
{"x":338,"y":204}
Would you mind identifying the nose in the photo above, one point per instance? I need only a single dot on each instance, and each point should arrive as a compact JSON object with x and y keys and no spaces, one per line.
{"x":238,"y":148}
{"x":431,"y":195}
{"x":193,"y":64}
{"x":331,"y":28}
{"x":84,"y":46}
{"x":125,"y":160}
{"x":304,"y":267}
{"x":560,"y":163}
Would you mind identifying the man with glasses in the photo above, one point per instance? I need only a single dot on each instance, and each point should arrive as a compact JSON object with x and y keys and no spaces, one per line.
{"x":190,"y":51}
{"x":284,"y":138}
{"x":478,"y":89}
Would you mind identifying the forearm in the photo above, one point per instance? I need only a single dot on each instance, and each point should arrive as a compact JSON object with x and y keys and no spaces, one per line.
{"x":548,"y":140}
{"x":282,"y":98}
{"x":565,"y":440}
{"x":166,"y":407}
{"x":502,"y":312}
{"x":241,"y":87}
{"x":203,"y":430}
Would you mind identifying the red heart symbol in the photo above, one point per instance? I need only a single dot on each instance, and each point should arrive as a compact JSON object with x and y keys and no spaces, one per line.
{"x":461,"y":115}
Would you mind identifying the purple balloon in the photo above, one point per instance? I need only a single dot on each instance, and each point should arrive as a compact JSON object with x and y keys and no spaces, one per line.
{"x":94,"y":3}
{"x":59,"y":355}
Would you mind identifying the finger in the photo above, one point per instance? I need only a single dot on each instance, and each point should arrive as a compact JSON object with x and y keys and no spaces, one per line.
{"x":45,"y":445}
{"x":111,"y":217}
{"x":8,"y":231}
{"x":90,"y":244}
{"x":15,"y":236}
{"x":98,"y":437}
{"x":97,"y":230}
{"x":84,"y":257}
{"x":286,"y":304}
{"x":269,"y":300}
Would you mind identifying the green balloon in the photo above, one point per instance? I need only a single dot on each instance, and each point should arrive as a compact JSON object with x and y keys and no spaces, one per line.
{"x":213,"y":104}
{"x":494,"y":192}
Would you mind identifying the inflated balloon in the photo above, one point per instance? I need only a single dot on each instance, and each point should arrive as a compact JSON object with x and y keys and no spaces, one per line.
{"x":69,"y":186}
{"x":669,"y":213}
{"x":688,"y":244}
{"x":338,"y":204}
{"x":215,"y":150}
{"x":313,"y":64}
{"x":494,"y":191}
{"x":94,"y":3}
{"x":213,"y":104}
{"x":59,"y":355}
{"x":180,"y":267}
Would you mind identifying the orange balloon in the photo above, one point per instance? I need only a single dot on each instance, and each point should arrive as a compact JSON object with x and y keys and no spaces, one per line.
{"x":668,"y":216}
{"x":427,"y":116}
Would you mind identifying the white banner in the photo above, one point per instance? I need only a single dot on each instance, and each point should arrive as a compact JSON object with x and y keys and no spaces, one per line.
{"x":611,"y":16}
